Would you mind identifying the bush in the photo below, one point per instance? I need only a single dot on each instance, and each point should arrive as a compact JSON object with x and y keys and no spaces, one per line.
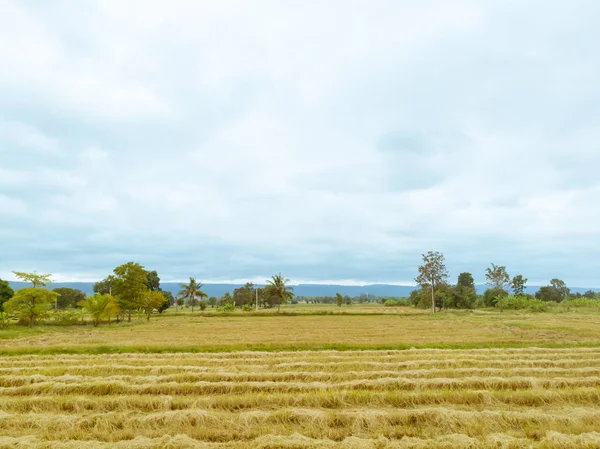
{"x":203,"y":305}
{"x":580,"y":302}
{"x":248,"y":308}
{"x":67,"y":317}
{"x":229,"y":307}
{"x":397,"y":303}
{"x":511,"y":302}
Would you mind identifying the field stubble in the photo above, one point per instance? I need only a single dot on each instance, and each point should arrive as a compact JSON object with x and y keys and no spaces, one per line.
{"x":508,"y":398}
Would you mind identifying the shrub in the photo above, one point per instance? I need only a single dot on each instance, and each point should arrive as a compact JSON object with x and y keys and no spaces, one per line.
{"x":511,"y":302}
{"x":397,"y":303}
{"x":67,"y":317}
{"x":203,"y":305}
{"x":229,"y":307}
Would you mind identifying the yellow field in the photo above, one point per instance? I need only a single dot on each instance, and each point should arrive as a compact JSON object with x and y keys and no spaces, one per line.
{"x":509,"y":398}
{"x":511,"y":380}
{"x":405,"y":328}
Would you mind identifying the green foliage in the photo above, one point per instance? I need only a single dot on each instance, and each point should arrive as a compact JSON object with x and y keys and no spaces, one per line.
{"x":248,"y":308}
{"x":4,"y":319}
{"x":6,"y":292}
{"x":396,"y":303}
{"x":227,"y":299}
{"x":518,"y":284}
{"x":192,"y":292}
{"x":30,"y":304}
{"x":100,"y":307}
{"x":129,"y":286}
{"x":432,"y":274}
{"x":169,"y":301}
{"x":277,"y":291}
{"x":339,"y":299}
{"x":491,"y":296}
{"x":68,"y":317}
{"x":203,"y":305}
{"x":463,"y":296}
{"x":549,"y":294}
{"x":153,"y":281}
{"x":512,"y":302}
{"x":212,"y":301}
{"x":37,"y":280}
{"x":105,"y":286}
{"x":151,"y":300}
{"x":68,"y":297}
{"x":580,"y":303}
{"x":227,"y":307}
{"x":499,"y":279}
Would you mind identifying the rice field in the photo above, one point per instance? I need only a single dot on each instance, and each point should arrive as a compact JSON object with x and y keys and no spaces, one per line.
{"x":417,"y":398}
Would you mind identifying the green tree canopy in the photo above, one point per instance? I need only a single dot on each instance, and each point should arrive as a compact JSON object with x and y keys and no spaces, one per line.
{"x":37,"y":280}
{"x":6,"y":292}
{"x":105,"y":286}
{"x":100,"y":307}
{"x":129,"y":285}
{"x":30,"y":304}
{"x":339,"y":299}
{"x":463,"y":295}
{"x":68,"y":297}
{"x":518,"y":285}
{"x":278,"y":290}
{"x":192,"y":292}
{"x":432,"y":273}
{"x":151,"y":300}
{"x":498,"y":278}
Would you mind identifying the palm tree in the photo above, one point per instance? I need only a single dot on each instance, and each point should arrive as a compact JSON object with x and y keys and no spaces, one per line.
{"x":277,"y":288}
{"x":100,"y":307}
{"x":192,"y":291}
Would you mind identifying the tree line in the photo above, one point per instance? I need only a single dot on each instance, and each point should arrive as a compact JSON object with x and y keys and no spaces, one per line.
{"x":436,"y":292}
{"x":129,"y":290}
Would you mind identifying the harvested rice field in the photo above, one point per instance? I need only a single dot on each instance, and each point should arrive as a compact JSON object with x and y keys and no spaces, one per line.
{"x":417,"y":398}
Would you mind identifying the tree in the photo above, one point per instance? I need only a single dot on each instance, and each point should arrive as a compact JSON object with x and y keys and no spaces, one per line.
{"x":153,"y":281}
{"x":100,"y":307}
{"x":518,"y":285}
{"x":129,"y":285}
{"x":590,"y":294}
{"x":212,"y":301}
{"x":245,"y":295}
{"x":432,"y":273}
{"x":68,"y":297}
{"x":561,"y":287}
{"x":498,"y":278}
{"x":105,"y":286}
{"x":192,"y":291}
{"x":227,"y":299}
{"x":30,"y":304}
{"x":464,"y":294}
{"x":37,"y":280}
{"x":151,"y":300}
{"x":6,"y":292}
{"x":278,"y":290}
{"x":339,"y":299}
{"x":168,"y":303}
{"x":491,"y":297}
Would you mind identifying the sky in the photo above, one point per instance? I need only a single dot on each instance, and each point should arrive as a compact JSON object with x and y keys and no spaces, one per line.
{"x":331,"y":141}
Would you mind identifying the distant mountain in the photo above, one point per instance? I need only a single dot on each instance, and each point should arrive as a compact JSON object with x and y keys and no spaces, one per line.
{"x":219,"y":290}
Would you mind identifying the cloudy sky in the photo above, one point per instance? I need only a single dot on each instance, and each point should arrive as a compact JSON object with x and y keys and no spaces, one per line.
{"x":330,"y":140}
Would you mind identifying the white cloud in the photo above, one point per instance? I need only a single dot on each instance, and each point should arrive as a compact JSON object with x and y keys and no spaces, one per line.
{"x":327,"y":141}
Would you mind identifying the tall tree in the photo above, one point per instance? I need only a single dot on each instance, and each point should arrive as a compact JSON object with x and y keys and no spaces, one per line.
{"x":153,"y":281}
{"x":6,"y":292}
{"x":339,"y":299}
{"x":498,"y":278}
{"x":278,"y":290}
{"x":432,"y":273}
{"x":30,"y":304}
{"x":37,"y":280}
{"x":518,"y":285}
{"x":464,"y":294}
{"x":68,"y":297}
{"x":561,"y":287}
{"x":129,"y":285}
{"x":105,"y":286}
{"x":100,"y":307}
{"x":192,"y":291}
{"x":151,"y":300}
